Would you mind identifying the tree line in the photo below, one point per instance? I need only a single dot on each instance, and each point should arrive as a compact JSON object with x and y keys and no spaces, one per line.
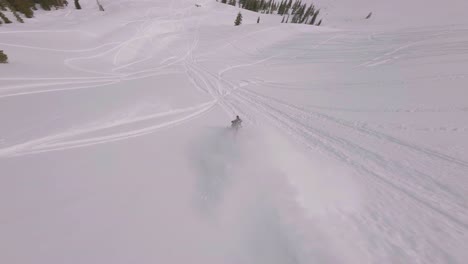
{"x":292,"y":11}
{"x":26,"y":8}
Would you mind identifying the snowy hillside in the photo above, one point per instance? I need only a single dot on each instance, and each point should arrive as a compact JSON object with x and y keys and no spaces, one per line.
{"x":115,"y":146}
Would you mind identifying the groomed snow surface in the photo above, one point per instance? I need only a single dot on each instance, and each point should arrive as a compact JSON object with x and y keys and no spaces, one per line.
{"x":114,"y":146}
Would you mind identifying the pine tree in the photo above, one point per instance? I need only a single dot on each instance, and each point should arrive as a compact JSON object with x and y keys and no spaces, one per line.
{"x":293,"y":7}
{"x":305,"y":13}
{"x":301,"y":12}
{"x":44,"y":4}
{"x":298,"y":12}
{"x":310,"y":11}
{"x":77,"y":4}
{"x":18,"y":17}
{"x":101,"y":8}
{"x":238,"y":20}
{"x":3,"y":57}
{"x":48,"y":4}
{"x":24,"y":7}
{"x":312,"y":22}
{"x":4,"y":18}
{"x":27,"y":7}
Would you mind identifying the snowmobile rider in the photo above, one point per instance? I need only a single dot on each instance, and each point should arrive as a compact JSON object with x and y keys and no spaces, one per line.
{"x":236,"y":122}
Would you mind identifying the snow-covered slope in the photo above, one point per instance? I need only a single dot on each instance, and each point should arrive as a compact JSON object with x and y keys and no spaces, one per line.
{"x":114,"y":146}
{"x":392,"y":14}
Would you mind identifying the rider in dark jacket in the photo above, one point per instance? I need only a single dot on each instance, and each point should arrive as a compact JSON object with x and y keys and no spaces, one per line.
{"x":236,"y":122}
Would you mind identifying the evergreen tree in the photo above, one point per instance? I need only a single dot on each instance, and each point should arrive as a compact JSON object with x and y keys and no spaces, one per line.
{"x":48,"y":4}
{"x":298,"y":13}
{"x":45,"y":4}
{"x":305,"y":13}
{"x":13,"y":10}
{"x":282,"y":7}
{"x":238,"y":20}
{"x":22,"y":6}
{"x":77,"y":4}
{"x":301,"y":12}
{"x":247,"y":4}
{"x":314,"y":17}
{"x":319,"y":23}
{"x":101,"y":8}
{"x":310,"y":11}
{"x":253,"y":5}
{"x":25,"y":7}
{"x":4,"y":18}
{"x":18,"y":17}
{"x":3,"y":57}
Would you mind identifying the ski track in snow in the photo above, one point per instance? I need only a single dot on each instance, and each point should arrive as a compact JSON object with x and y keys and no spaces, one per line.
{"x":59,"y":141}
{"x":390,"y":166}
{"x":50,"y":143}
{"x":434,"y":196}
{"x":201,"y":79}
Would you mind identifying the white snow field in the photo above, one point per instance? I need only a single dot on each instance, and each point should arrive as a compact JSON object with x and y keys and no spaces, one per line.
{"x":115,"y":147}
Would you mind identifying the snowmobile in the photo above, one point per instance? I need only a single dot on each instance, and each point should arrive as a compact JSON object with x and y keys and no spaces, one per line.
{"x":236,"y":123}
